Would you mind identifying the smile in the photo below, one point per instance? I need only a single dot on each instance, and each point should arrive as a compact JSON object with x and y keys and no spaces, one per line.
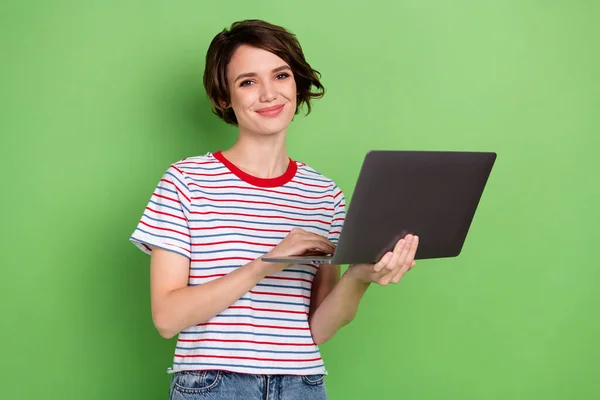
{"x":270,"y":111}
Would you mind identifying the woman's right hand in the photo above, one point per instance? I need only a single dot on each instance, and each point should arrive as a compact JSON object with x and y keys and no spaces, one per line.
{"x":300,"y":242}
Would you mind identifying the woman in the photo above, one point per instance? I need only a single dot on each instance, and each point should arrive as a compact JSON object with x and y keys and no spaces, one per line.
{"x":248,"y":329}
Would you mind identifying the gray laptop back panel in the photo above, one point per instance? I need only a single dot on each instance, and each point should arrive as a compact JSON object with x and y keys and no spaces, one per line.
{"x":432,"y":194}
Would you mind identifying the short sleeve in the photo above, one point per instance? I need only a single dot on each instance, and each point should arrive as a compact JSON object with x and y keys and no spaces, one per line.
{"x":165,"y":221}
{"x":339,"y":215}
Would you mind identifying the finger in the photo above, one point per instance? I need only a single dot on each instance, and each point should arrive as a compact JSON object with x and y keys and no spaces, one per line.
{"x":396,"y":269}
{"x":409,"y":262}
{"x":401,"y":273}
{"x":314,"y":236}
{"x":412,"y":251}
{"x":405,"y":251}
{"x":397,"y":277}
{"x":392,"y":276}
{"x":304,"y":234}
{"x":311,"y":234}
{"x":320,"y":245}
{"x":383,"y":262}
{"x":392,"y":267}
{"x":410,"y":257}
{"x":397,"y":253}
{"x":326,"y":244}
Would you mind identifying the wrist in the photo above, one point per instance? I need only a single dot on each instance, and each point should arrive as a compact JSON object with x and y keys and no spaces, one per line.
{"x":353,"y":276}
{"x":262,"y":269}
{"x":258,"y":268}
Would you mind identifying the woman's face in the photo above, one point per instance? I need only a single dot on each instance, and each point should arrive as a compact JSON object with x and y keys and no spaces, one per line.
{"x":262,"y":91}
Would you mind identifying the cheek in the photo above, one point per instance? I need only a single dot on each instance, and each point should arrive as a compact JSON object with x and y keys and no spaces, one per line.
{"x":291,"y":94}
{"x":242,"y":99}
{"x":292,"y":91}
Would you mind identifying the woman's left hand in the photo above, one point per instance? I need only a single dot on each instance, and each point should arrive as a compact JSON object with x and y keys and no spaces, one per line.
{"x":392,"y":266}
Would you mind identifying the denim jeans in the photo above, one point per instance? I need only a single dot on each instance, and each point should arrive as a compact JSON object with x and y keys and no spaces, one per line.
{"x":192,"y":385}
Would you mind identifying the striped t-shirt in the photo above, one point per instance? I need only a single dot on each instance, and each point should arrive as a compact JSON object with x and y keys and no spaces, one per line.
{"x":218,"y":216}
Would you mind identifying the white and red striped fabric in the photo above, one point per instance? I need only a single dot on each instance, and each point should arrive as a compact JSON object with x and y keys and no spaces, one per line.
{"x":219,"y":217}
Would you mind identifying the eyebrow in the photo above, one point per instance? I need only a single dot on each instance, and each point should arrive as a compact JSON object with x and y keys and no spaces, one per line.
{"x":252,"y":74}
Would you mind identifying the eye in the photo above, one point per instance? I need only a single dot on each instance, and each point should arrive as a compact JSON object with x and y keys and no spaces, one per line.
{"x":282,"y":75}
{"x":245,"y":83}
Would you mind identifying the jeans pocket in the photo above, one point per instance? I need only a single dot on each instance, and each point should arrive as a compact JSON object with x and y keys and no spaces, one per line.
{"x":313,"y":380}
{"x":196,"y":382}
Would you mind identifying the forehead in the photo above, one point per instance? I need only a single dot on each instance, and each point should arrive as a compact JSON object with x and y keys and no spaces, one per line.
{"x":248,"y":59}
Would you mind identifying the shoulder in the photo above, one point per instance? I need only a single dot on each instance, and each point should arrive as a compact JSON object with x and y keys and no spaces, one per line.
{"x":187,"y":170}
{"x":196,"y":164}
{"x":309,"y":176}
{"x":306,"y":172}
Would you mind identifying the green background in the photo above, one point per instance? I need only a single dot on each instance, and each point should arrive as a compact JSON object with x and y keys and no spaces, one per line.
{"x":99,"y":97}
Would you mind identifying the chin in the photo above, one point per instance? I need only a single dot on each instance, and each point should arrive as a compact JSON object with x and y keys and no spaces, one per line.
{"x":273,"y":127}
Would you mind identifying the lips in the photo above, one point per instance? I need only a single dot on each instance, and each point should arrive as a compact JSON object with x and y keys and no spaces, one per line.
{"x":270,"y":111}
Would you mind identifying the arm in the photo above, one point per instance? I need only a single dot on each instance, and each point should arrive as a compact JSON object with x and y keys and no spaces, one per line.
{"x":176,"y":306}
{"x":164,"y":232}
{"x":337,"y":300}
{"x":334,"y":301}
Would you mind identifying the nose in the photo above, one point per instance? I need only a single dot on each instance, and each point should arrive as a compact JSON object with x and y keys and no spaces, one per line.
{"x":268,"y":92}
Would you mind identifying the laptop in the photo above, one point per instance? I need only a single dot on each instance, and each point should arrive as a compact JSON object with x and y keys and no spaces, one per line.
{"x":432,"y":194}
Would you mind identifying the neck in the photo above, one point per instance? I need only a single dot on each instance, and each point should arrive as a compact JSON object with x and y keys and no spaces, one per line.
{"x":259,"y":156}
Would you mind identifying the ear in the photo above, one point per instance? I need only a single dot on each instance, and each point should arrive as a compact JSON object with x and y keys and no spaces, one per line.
{"x":220,"y":104}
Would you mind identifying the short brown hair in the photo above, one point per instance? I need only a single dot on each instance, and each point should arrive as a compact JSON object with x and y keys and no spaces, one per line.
{"x":266,"y":36}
